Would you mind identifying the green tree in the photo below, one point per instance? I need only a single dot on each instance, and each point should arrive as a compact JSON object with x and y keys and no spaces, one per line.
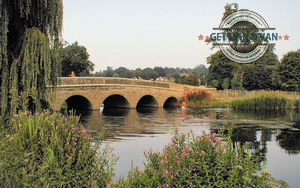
{"x":160,"y":71}
{"x":29,"y":50}
{"x":121,"y":71}
{"x":220,"y":68}
{"x":226,"y":83}
{"x":237,"y":80}
{"x":109,"y":72}
{"x":76,"y":58}
{"x":149,"y":73}
{"x":192,"y":79}
{"x":214,"y":83}
{"x":258,"y":77}
{"x":115,"y":75}
{"x":289,"y":71}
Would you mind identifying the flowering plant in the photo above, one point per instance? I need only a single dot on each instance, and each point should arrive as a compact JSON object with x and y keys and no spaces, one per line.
{"x":209,"y":160}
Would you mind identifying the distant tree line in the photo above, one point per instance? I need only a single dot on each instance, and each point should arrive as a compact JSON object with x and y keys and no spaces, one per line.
{"x":195,"y":76}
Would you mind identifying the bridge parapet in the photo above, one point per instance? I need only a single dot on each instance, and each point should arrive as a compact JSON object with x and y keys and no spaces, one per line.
{"x":127,"y":81}
{"x":109,"y":80}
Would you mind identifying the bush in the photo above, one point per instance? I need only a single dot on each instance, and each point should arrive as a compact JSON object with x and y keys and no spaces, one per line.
{"x":51,"y":150}
{"x":197,"y":98}
{"x":200,"y":161}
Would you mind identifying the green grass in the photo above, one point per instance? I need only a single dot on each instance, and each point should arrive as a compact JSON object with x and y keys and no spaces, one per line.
{"x":262,"y":102}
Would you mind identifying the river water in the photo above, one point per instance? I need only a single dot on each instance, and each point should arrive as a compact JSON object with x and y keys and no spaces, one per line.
{"x":130,"y":132}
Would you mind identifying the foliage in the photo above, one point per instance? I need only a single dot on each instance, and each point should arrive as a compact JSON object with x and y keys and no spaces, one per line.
{"x":258,"y":77}
{"x":220,"y":68}
{"x":226,"y":83}
{"x":261,"y":74}
{"x":109,"y":72}
{"x":191,"y":79}
{"x":200,"y":161}
{"x":198,"y":98}
{"x":51,"y":150}
{"x":76,"y":58}
{"x":148,"y":73}
{"x":265,"y":101}
{"x":289,"y":71}
{"x":29,"y":50}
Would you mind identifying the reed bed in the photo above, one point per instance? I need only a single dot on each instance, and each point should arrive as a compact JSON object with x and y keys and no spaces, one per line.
{"x":263,"y":100}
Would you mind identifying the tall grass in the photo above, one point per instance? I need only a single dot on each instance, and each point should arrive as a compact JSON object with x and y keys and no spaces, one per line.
{"x":51,"y":150}
{"x":264,"y":100}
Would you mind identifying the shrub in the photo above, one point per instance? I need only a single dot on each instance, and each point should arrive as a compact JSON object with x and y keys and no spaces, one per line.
{"x":51,"y":150}
{"x":200,"y":161}
{"x":198,"y":97}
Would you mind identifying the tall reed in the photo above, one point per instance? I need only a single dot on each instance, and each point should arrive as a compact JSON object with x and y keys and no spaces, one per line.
{"x":264,"y":101}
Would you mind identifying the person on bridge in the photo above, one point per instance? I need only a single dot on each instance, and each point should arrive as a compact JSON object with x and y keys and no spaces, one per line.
{"x":72,"y":74}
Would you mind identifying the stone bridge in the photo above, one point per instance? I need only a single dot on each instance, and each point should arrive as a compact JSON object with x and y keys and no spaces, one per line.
{"x":93,"y":92}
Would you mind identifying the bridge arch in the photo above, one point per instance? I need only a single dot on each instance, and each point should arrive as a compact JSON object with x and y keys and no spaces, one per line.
{"x":78,"y":102}
{"x":147,"y":101}
{"x":116,"y":101}
{"x":171,"y":102}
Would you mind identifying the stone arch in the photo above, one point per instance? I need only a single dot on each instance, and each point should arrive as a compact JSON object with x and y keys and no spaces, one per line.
{"x":78,"y":102}
{"x":147,"y":101}
{"x":171,"y":102}
{"x":116,"y":101}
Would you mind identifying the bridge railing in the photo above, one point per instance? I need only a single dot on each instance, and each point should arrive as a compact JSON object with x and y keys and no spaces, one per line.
{"x":109,"y":80}
{"x":68,"y":81}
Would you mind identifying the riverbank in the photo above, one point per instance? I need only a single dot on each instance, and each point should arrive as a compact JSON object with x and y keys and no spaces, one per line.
{"x":248,"y":100}
{"x":54,"y":150}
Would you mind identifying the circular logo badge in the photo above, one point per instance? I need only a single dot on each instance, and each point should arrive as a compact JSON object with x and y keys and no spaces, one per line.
{"x":243,"y":46}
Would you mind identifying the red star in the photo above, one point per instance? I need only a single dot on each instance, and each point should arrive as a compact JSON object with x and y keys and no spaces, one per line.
{"x":200,"y":37}
{"x":286,"y":37}
{"x":280,"y":37}
{"x":207,"y":37}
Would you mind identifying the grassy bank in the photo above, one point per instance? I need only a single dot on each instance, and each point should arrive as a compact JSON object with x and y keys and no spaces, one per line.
{"x":248,"y":100}
{"x":264,"y":102}
{"x":51,"y":150}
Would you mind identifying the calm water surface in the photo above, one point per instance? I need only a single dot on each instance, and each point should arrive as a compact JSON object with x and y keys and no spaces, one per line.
{"x":130,"y":132}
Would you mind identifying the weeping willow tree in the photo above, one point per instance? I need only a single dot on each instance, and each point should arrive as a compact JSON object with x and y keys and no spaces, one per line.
{"x":30,"y":32}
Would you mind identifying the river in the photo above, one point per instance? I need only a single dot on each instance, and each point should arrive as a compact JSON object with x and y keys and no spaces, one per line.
{"x":130,"y":132}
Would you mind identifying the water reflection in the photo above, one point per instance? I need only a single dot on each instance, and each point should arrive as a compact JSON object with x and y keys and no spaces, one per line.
{"x":289,"y":140}
{"x":131,"y":131}
{"x":252,"y":128}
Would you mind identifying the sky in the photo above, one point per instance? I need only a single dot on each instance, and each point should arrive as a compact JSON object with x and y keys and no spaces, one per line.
{"x":149,"y":33}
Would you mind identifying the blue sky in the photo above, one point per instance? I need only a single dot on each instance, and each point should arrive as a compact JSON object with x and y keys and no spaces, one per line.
{"x":149,"y":33}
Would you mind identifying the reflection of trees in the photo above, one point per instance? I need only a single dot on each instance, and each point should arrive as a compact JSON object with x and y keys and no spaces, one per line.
{"x":120,"y":123}
{"x":289,"y":140}
{"x":243,"y":135}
